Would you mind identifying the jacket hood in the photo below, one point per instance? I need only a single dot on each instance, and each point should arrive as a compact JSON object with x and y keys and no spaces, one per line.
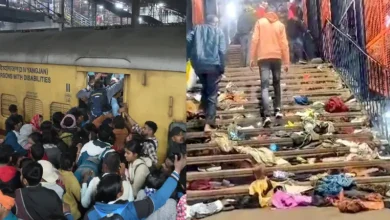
{"x":108,"y":208}
{"x":271,"y":16}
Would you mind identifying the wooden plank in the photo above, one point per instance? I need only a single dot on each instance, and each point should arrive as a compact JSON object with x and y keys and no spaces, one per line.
{"x":352,"y":108}
{"x":305,"y":153}
{"x":301,"y":168}
{"x":243,"y":189}
{"x":257,"y":131}
{"x":251,"y":120}
{"x":282,"y":142}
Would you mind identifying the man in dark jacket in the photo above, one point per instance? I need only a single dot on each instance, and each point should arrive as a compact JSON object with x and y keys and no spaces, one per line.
{"x":295,"y":31}
{"x":245,"y":24}
{"x":206,"y":49}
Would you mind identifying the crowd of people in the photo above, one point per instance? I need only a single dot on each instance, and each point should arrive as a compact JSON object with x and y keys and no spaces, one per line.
{"x":265,"y":41}
{"x":94,"y":162}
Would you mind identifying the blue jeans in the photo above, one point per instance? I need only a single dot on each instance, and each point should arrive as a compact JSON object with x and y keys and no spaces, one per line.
{"x":297,"y":48}
{"x":209,"y":94}
{"x":267,"y":68}
{"x":245,"y":42}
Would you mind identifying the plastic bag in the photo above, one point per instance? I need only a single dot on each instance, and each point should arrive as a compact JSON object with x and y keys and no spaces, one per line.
{"x":190,"y":76}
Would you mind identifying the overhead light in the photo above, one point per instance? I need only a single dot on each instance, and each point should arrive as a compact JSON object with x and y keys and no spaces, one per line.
{"x":140,"y":20}
{"x":125,"y":9}
{"x":231,"y":10}
{"x":101,"y":7}
{"x":160,"y":5}
{"x":119,"y":5}
{"x":85,"y":2}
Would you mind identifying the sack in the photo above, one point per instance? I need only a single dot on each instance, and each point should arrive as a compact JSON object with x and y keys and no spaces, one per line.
{"x":97,"y":100}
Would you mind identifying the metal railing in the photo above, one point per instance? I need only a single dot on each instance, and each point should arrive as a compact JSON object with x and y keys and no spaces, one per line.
{"x":367,"y":78}
{"x":78,"y":19}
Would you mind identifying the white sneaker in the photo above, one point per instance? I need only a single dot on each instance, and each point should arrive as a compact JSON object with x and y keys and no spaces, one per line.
{"x":266,"y":122}
{"x":278,"y":115}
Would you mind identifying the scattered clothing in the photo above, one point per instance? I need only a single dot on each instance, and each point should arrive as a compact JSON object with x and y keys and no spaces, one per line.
{"x":283,"y":200}
{"x":301,"y":100}
{"x":336,"y":104}
{"x":201,"y":210}
{"x":332,"y":185}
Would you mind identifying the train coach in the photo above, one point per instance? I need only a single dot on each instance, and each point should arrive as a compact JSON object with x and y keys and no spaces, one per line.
{"x":41,"y":72}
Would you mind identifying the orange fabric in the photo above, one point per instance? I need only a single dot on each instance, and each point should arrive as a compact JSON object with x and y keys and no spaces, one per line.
{"x":6,"y":201}
{"x":197,"y":12}
{"x":99,"y":120}
{"x":269,"y":40}
{"x":120,"y":138}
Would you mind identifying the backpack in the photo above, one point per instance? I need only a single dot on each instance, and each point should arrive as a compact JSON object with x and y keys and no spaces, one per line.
{"x":97,"y":100}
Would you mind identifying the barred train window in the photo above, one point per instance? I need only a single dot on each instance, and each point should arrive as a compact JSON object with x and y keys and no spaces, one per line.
{"x":6,"y":101}
{"x":58,"y":107}
{"x":32,"y":107}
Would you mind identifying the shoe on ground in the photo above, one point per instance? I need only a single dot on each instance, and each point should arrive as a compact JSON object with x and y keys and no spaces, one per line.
{"x":267,"y":122}
{"x":278,"y":115}
{"x":302,"y":62}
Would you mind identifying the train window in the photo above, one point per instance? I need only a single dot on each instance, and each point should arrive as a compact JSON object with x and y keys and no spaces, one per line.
{"x":58,"y":107}
{"x":6,"y":101}
{"x":31,"y":108}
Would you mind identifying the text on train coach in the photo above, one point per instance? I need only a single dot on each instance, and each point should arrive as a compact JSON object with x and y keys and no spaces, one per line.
{"x":25,"y":73}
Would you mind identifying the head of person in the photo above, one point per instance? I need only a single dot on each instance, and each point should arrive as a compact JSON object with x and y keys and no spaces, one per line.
{"x":111,"y":163}
{"x":109,"y":188}
{"x":57,"y":118}
{"x":98,"y":84}
{"x":133,"y":150}
{"x":37,"y":151}
{"x":6,"y":152}
{"x":177,"y":135}
{"x":69,"y":122}
{"x":31,"y":174}
{"x":35,"y":138}
{"x":36,"y":122}
{"x":15,"y":123}
{"x":23,"y":161}
{"x":13,"y":109}
{"x":264,"y":4}
{"x":91,"y":81}
{"x":49,"y":135}
{"x":83,"y":95}
{"x":78,"y":115}
{"x":212,"y":20}
{"x":91,"y":130}
{"x":49,"y":173}
{"x":149,"y":129}
{"x":118,"y":122}
{"x":105,"y":134}
{"x":66,"y":162}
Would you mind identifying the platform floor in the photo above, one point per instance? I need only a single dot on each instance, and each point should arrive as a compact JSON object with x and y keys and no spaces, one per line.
{"x":300,"y":214}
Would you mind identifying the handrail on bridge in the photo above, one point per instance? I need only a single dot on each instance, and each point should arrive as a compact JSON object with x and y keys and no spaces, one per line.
{"x":368,"y":79}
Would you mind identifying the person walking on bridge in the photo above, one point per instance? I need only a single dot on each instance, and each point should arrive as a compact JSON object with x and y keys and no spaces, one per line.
{"x":206,"y":49}
{"x":270,"y":51}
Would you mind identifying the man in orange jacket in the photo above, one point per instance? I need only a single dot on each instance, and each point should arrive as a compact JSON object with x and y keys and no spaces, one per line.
{"x":270,"y":51}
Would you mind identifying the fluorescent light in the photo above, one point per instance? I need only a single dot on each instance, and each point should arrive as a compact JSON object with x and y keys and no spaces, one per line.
{"x":119,"y":5}
{"x":101,"y":7}
{"x":140,"y":20}
{"x":160,"y":5}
